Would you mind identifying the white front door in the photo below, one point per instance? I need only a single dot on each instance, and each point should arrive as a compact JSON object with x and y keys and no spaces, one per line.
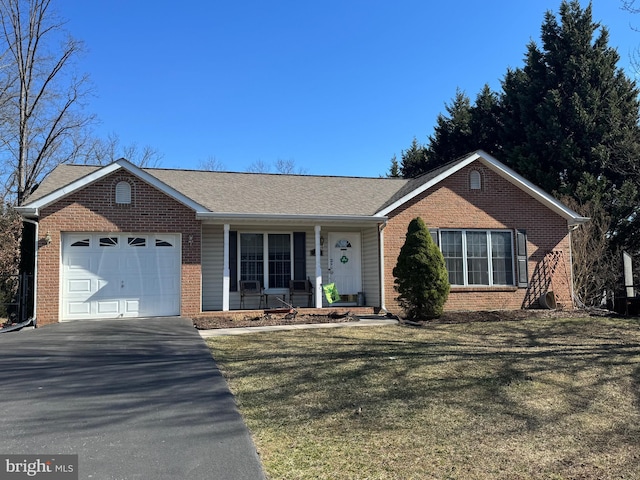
{"x":111,"y":275}
{"x":345,"y":262}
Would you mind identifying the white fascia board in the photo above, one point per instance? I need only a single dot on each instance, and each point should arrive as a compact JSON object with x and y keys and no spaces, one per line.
{"x":288,"y":218}
{"x":505,"y":172}
{"x":160,"y":185}
{"x":526,"y":186}
{"x":429,"y":184}
{"x":33,"y":209}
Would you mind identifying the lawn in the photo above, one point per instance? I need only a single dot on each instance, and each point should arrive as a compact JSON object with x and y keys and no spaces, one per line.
{"x":533,"y":399}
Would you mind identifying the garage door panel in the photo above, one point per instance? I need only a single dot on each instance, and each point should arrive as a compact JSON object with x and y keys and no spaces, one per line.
{"x":79,"y":286}
{"x":131,"y":306}
{"x":78,"y":308}
{"x":108,"y":307}
{"x":123,"y":278}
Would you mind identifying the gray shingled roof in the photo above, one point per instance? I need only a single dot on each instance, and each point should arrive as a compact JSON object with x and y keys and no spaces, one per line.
{"x":228,"y":192}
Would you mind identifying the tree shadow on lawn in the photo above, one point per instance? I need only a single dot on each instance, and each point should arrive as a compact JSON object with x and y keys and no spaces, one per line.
{"x":518,"y":376}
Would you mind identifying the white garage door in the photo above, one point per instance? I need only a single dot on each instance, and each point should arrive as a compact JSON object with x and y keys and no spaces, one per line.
{"x":111,"y":275}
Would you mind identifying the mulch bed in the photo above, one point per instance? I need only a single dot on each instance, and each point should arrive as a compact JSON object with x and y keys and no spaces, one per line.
{"x":240,"y":320}
{"x":267,"y":319}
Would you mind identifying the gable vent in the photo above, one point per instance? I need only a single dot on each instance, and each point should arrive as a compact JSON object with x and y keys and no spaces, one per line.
{"x":475,"y":180}
{"x":123,"y":193}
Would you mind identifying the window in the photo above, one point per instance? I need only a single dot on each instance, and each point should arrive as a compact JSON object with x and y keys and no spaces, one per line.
{"x":163,"y":243}
{"x":85,"y":242}
{"x":279,"y":260}
{"x":137,"y":241}
{"x":451,"y":244}
{"x":123,"y":193}
{"x":478,"y":257}
{"x":267,"y":258}
{"x":108,"y":241}
{"x":251,"y":256}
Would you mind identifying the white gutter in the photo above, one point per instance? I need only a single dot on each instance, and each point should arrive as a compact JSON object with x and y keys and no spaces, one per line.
{"x":32,"y":212}
{"x":313,"y":219}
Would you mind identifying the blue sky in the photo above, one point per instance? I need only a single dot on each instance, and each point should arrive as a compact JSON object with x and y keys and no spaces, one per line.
{"x":337,"y":86}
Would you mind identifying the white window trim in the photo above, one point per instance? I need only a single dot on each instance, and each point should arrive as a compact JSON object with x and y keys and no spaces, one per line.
{"x":475,"y":180}
{"x":124,"y":193}
{"x":465,"y":270}
{"x":265,"y":254}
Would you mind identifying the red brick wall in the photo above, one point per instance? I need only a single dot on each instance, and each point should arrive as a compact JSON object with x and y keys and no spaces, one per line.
{"x":498,"y":205}
{"x":93,"y":209}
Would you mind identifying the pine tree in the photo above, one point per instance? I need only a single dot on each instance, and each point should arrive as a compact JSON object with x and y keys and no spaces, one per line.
{"x":570,"y":116}
{"x":452,"y":135}
{"x":394,"y":170}
{"x":413,"y":160}
{"x":421,"y":277}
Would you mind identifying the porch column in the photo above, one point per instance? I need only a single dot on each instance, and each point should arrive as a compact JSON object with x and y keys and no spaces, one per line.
{"x":225,"y":270}
{"x":383,"y":305}
{"x":318,"y":285}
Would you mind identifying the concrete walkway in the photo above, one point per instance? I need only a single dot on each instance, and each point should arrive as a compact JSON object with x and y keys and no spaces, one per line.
{"x":363,"y":322}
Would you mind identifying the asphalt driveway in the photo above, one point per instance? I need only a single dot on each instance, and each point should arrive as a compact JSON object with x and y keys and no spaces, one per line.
{"x":135,"y":399}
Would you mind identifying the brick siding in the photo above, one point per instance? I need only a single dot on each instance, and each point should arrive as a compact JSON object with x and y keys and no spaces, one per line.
{"x":93,"y":209}
{"x":497,"y":205}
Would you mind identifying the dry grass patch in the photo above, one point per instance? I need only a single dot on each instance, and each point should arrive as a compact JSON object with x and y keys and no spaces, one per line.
{"x":552,"y":399}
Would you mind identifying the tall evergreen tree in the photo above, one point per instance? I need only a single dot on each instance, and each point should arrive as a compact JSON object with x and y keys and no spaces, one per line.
{"x":568,"y":121}
{"x":452,"y":135}
{"x":463,"y":129}
{"x":413,"y":160}
{"x":394,"y":170}
{"x":485,"y":122}
{"x":570,"y":116}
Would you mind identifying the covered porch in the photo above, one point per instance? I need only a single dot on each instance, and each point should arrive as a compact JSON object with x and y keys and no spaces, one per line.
{"x":345,"y":252}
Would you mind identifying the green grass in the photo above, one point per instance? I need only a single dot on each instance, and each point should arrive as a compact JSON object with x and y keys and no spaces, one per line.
{"x":539,"y":399}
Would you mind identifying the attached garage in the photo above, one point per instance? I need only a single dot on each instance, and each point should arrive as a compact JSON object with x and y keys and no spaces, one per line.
{"x":112,"y":275}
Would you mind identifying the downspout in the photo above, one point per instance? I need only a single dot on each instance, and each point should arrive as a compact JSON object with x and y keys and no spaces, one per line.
{"x":35,"y":269}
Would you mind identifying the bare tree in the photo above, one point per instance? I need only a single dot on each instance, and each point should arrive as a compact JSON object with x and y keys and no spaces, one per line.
{"x":43,"y":110}
{"x":259,"y":166}
{"x":596,"y":268}
{"x":287,"y":167}
{"x":631,"y":7}
{"x":211,"y":164}
{"x":103,"y":151}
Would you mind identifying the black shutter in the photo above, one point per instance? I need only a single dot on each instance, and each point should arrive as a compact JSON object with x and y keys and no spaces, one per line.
{"x":522,"y":260}
{"x":299,"y":256}
{"x":233,"y":261}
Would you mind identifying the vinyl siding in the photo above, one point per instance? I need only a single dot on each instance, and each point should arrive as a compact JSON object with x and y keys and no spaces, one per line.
{"x":212,"y":261}
{"x":370,"y":267}
{"x":212,"y":267}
